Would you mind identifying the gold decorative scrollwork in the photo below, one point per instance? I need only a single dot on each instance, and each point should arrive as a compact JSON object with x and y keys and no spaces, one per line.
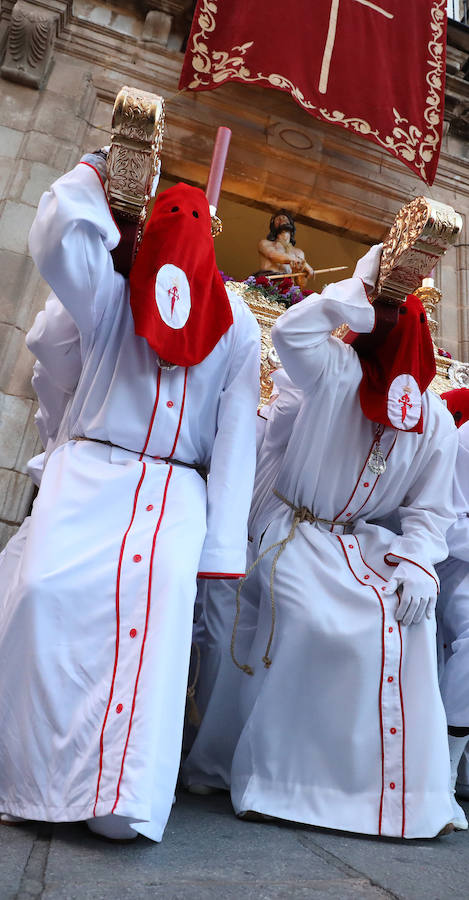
{"x":132,"y":163}
{"x":421,"y":233}
{"x":458,"y":374}
{"x":266,"y":313}
{"x":216,"y":226}
{"x":429,"y":296}
{"x":406,"y":140}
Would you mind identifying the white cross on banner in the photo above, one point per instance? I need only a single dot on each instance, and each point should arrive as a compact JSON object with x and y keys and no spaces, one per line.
{"x":331,"y":34}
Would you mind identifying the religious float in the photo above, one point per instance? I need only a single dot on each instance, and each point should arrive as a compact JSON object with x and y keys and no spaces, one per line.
{"x":421,"y":233}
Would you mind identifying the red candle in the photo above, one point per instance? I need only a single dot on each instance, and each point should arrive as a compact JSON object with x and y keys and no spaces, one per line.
{"x":217,"y":167}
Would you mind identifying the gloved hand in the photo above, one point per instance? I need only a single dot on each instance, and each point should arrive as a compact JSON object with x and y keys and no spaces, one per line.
{"x":97,"y":159}
{"x":417,"y":593}
{"x":367,"y":267}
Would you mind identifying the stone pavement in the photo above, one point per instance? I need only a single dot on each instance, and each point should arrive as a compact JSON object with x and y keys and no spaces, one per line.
{"x":207,"y":854}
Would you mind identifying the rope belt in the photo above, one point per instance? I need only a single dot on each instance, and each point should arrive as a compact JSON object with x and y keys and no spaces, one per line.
{"x":301,"y":514}
{"x":194,"y":714}
{"x":166,"y":459}
{"x":305,"y":515}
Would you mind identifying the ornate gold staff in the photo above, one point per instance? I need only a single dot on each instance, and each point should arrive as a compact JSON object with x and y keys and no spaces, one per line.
{"x":419,"y":236}
{"x":132,"y":163}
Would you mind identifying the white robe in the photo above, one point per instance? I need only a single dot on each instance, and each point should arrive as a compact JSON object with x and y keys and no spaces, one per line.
{"x":453,"y":601}
{"x":346,"y":729}
{"x":55,"y":341}
{"x":95,"y":641}
{"x":219,"y":683}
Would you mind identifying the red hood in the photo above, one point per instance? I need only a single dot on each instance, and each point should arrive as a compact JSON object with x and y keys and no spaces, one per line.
{"x":457,"y":402}
{"x":397,"y":371}
{"x":178,"y":299}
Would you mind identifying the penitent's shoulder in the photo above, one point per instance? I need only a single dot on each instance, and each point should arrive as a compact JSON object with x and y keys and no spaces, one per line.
{"x":439,"y":419}
{"x":243,"y":318}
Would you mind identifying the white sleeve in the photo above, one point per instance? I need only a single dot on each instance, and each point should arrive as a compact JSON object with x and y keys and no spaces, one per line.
{"x":233,"y":461}
{"x":282,"y":416}
{"x":427,"y":511}
{"x":277,"y":433}
{"x":70,"y":242}
{"x":54,"y":340}
{"x":302,"y":335}
{"x":458,"y":535}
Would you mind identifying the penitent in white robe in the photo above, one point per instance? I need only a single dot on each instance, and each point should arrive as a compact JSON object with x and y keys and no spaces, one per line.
{"x":346,"y":729}
{"x":219,"y":682}
{"x":453,"y":601}
{"x":95,"y":647}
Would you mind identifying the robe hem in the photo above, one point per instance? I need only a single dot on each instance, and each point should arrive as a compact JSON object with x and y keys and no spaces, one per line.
{"x":68,"y":814}
{"x":273,"y":799}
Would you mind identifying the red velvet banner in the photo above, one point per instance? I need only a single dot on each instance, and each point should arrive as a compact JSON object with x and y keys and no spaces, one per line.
{"x":376,"y":68}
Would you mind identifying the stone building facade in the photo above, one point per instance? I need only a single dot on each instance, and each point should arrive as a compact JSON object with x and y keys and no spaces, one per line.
{"x":61,"y":65}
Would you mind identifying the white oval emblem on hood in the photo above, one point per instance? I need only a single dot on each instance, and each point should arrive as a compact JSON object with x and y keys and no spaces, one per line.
{"x":173,"y":296}
{"x":404,"y":402}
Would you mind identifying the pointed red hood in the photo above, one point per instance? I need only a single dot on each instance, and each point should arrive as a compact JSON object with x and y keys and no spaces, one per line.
{"x":457,"y":402}
{"x":397,"y":371}
{"x":178,"y":299}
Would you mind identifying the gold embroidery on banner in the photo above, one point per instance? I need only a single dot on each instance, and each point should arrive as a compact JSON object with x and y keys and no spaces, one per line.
{"x":406,"y":140}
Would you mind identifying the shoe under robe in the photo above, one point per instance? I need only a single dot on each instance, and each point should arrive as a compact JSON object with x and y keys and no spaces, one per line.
{"x":346,"y":729}
{"x":95,"y":649}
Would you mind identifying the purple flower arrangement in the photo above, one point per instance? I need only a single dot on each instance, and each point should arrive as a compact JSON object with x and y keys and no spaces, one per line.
{"x":282,"y":290}
{"x":225,"y":277}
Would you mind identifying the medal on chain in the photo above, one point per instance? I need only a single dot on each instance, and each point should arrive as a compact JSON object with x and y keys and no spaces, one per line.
{"x":376,"y":461}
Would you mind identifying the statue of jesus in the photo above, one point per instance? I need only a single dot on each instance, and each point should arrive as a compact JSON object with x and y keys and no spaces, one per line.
{"x":278,"y":253}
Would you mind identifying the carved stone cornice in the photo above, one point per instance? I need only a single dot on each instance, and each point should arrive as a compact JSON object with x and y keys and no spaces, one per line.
{"x":30,"y":43}
{"x":27,"y":39}
{"x":62,"y":8}
{"x":279,"y":155}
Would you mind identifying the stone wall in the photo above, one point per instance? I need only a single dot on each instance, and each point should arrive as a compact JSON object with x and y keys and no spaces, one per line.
{"x":61,"y":67}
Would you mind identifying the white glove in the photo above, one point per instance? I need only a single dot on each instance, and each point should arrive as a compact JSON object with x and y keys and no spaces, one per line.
{"x":97,"y":159}
{"x":367,"y":267}
{"x":417,"y":593}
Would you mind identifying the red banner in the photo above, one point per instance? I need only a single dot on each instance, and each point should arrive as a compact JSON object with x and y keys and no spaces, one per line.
{"x":376,"y":68}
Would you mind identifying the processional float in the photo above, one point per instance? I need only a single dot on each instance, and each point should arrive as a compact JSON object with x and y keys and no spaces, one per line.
{"x":421,"y":233}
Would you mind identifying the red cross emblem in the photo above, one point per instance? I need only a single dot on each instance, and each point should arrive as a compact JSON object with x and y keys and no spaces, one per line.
{"x":405,"y":404}
{"x":174,"y":294}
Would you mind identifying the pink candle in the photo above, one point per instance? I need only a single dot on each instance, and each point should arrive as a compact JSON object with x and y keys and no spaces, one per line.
{"x":217,"y":167}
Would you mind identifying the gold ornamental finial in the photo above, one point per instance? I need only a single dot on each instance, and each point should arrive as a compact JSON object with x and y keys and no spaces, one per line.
{"x":429,"y":296}
{"x":217,"y":226}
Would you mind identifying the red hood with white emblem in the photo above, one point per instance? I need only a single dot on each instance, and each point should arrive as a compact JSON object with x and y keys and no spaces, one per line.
{"x":397,"y":371}
{"x":457,"y":402}
{"x":178,"y":299}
